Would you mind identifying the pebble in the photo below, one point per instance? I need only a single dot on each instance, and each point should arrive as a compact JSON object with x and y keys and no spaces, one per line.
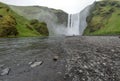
{"x":85,"y":66}
{"x":5,"y":71}
{"x":80,"y":71}
{"x":18,"y":64}
{"x":104,"y":63}
{"x":30,"y":63}
{"x":59,"y":72}
{"x":55,"y":58}
{"x":35,"y":64}
{"x":1,"y":66}
{"x":112,"y":50}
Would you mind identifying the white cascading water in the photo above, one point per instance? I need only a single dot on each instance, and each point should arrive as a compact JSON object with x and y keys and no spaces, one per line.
{"x":73,"y":24}
{"x":77,"y":22}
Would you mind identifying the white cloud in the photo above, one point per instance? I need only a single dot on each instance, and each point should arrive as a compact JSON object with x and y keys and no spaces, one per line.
{"x":70,"y":6}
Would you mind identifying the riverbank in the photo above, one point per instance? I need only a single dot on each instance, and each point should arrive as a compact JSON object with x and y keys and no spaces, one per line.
{"x":85,"y":58}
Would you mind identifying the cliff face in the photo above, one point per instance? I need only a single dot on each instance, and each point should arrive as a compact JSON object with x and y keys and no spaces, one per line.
{"x":83,"y":15}
{"x":53,"y":18}
{"x":104,"y":18}
{"x":14,"y":25}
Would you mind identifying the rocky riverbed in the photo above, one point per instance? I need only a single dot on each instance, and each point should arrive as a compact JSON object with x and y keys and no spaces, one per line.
{"x":85,"y":58}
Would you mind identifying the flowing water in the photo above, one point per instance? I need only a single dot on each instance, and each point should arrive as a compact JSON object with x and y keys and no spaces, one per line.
{"x":79,"y":58}
{"x":73,"y":24}
{"x":77,"y":22}
{"x":17,"y":53}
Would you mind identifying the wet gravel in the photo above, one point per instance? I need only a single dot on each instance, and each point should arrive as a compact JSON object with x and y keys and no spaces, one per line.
{"x":93,"y":59}
{"x":80,"y":58}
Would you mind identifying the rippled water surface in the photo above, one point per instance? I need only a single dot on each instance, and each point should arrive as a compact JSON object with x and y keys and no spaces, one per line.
{"x":76,"y":58}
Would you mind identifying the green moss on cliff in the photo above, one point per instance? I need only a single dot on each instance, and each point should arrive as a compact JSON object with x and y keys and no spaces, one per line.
{"x":40,"y":27}
{"x":104,"y":19}
{"x":14,"y":25}
{"x":7,"y":26}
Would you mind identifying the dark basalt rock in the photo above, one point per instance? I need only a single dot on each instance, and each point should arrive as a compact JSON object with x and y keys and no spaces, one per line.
{"x":55,"y":58}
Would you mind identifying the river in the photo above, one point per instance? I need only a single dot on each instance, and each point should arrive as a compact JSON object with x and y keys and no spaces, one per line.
{"x":76,"y":58}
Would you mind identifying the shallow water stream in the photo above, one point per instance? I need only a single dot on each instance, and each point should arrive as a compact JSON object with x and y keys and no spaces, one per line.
{"x":62,"y":59}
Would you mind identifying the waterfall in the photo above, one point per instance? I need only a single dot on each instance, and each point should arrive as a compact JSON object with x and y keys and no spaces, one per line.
{"x":77,"y":22}
{"x":73,"y":24}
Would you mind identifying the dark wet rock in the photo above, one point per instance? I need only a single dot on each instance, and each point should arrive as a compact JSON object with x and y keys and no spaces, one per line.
{"x":5,"y":71}
{"x":55,"y":58}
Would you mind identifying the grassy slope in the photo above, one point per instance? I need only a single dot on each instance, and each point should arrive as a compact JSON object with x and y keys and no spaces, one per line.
{"x":56,"y":15}
{"x":105,"y":19}
{"x":21,"y":22}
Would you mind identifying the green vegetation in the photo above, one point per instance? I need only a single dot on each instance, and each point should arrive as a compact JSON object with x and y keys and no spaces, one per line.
{"x":41,"y":27}
{"x":7,"y":26}
{"x":104,"y":18}
{"x":14,"y":25}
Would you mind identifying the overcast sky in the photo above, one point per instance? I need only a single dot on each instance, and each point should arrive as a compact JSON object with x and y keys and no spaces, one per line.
{"x":70,"y":6}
